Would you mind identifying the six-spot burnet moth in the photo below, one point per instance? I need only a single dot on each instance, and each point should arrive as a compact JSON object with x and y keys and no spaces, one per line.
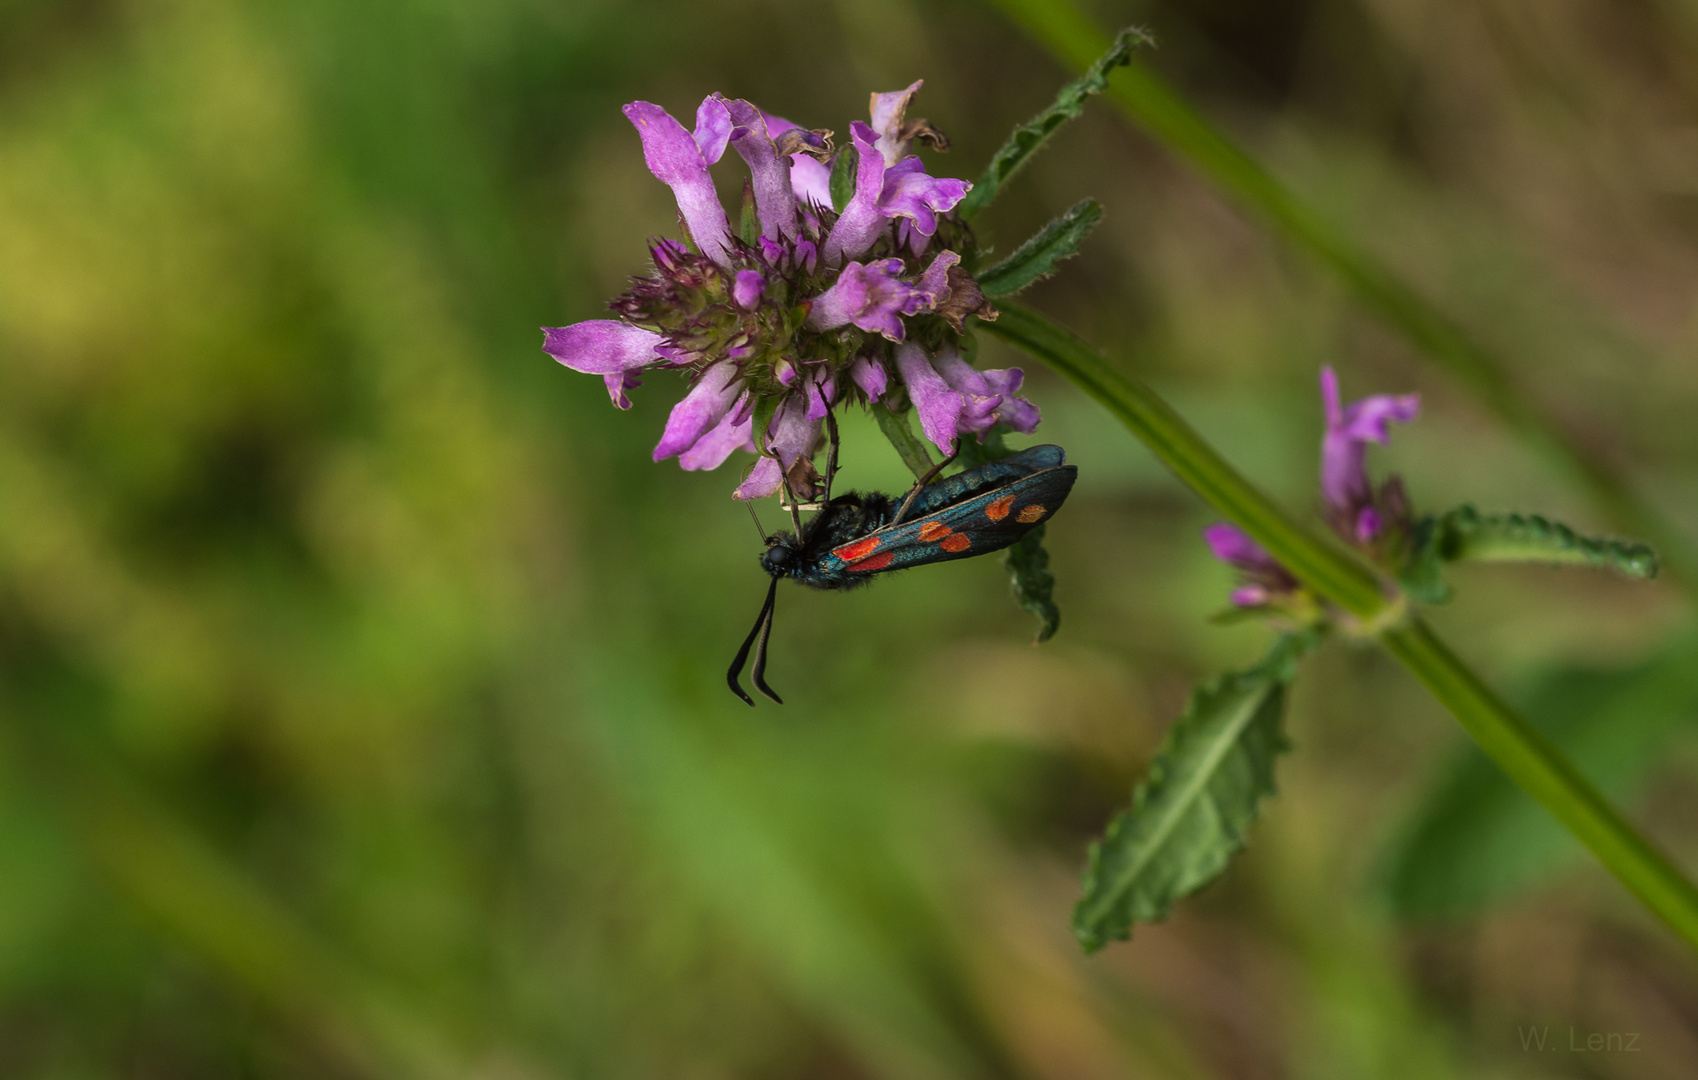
{"x":852,"y":537}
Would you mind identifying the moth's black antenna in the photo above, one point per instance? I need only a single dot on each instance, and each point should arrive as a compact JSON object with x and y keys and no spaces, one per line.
{"x":758,"y":673}
{"x":756,"y":518}
{"x":762,"y":629}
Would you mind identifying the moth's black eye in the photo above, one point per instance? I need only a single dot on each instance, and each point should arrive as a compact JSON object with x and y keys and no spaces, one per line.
{"x":776,"y":558}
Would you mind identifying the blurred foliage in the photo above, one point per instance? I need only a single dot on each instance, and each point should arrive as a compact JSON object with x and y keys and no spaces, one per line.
{"x":361,"y":709}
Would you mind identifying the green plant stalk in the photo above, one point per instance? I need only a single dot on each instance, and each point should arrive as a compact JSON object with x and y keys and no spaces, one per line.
{"x":1524,"y":755}
{"x":1144,"y":97}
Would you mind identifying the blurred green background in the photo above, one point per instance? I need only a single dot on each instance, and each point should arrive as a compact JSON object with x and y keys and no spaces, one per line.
{"x":361,"y":680}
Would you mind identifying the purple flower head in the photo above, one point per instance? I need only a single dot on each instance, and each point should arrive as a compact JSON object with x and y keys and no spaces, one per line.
{"x":826,"y":305}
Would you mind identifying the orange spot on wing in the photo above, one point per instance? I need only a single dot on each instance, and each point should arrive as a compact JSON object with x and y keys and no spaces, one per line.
{"x":934,"y":530}
{"x":955,"y":542}
{"x":998,"y":510}
{"x":872,"y":562}
{"x":1030,"y":513}
{"x":860,"y":549}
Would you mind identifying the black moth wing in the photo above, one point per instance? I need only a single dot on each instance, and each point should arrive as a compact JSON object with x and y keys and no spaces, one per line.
{"x":988,"y":521}
{"x":963,"y":485}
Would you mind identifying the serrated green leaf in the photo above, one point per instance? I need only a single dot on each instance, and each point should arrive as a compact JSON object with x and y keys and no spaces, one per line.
{"x":900,"y":432}
{"x":1474,"y":838}
{"x":1469,"y":534}
{"x":1189,"y":817}
{"x":843,"y":170}
{"x":1037,"y":258}
{"x":1028,"y":571}
{"x":1028,"y":137}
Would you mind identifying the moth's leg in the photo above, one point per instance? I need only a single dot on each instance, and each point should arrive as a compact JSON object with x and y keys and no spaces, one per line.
{"x":831,"y":458}
{"x":931,"y":474}
{"x":793,"y":507}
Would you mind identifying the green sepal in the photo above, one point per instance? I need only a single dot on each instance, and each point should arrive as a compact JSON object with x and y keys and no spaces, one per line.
{"x":1465,"y":533}
{"x":1028,"y":137}
{"x":1037,"y":258}
{"x":900,"y":432}
{"x":1190,"y":815}
{"x":843,"y":170}
{"x":749,"y":228}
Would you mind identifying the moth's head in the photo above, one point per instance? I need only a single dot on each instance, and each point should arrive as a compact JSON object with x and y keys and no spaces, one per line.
{"x":780,"y":556}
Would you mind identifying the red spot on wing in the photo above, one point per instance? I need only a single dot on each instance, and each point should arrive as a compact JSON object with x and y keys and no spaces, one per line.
{"x":1029,"y":514}
{"x":934,"y":530}
{"x":998,"y":510}
{"x":860,"y":549}
{"x":872,"y":562}
{"x":955,"y":542}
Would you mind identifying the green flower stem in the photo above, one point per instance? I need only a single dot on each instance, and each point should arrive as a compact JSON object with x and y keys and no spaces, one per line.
{"x":1515,"y":745}
{"x":1539,"y":769}
{"x":1143,"y":96}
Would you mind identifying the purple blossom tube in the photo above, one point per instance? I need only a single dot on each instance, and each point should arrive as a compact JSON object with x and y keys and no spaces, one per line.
{"x":700,"y":410}
{"x":775,"y":199}
{"x":861,"y":221}
{"x":870,"y":296}
{"x":909,"y":193}
{"x":607,"y":348}
{"x":733,"y":432}
{"x":938,"y":404}
{"x":869,"y":374}
{"x":763,"y":480}
{"x":1350,"y":428}
{"x":888,"y":111}
{"x":676,"y":160}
